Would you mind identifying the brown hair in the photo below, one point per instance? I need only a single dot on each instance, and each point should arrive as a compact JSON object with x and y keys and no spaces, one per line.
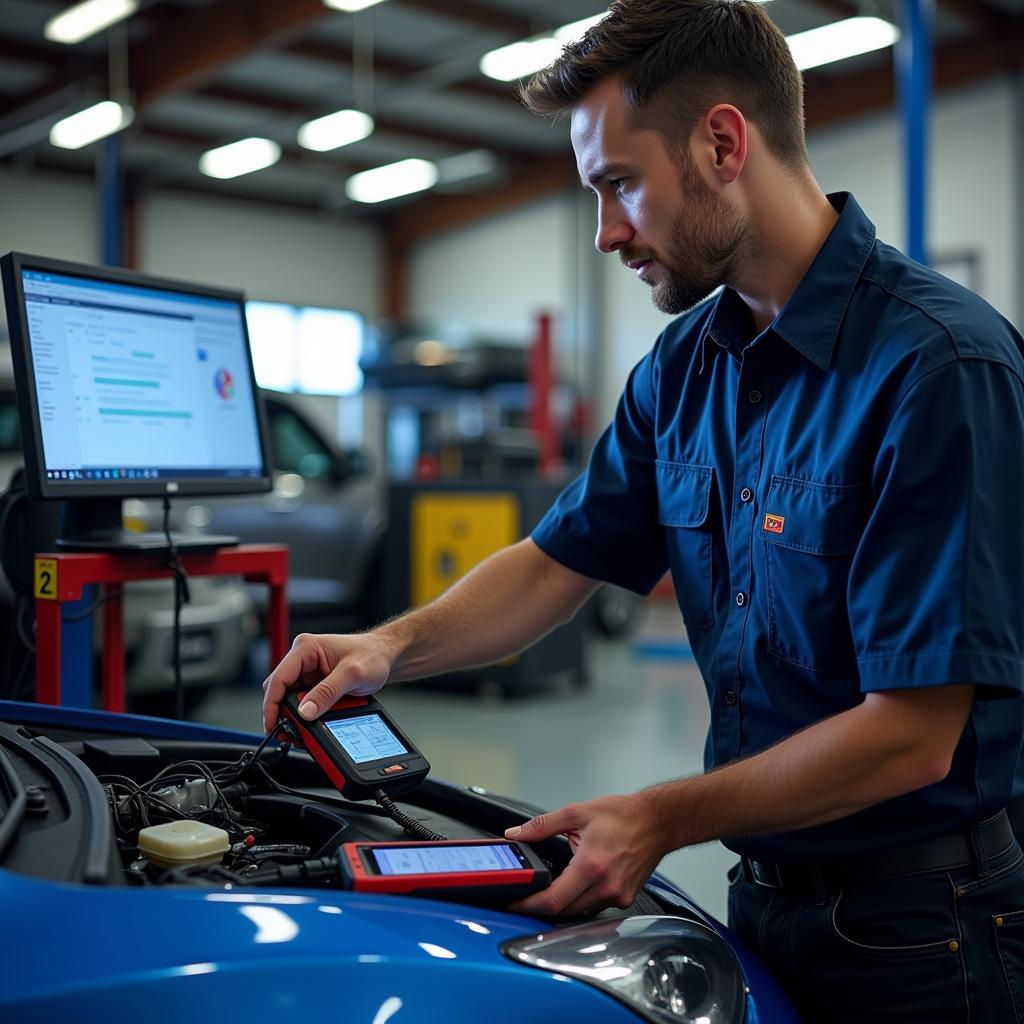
{"x":677,"y":59}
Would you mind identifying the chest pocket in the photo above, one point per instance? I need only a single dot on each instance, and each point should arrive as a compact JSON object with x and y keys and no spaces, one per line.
{"x":810,"y":532}
{"x":684,"y":505}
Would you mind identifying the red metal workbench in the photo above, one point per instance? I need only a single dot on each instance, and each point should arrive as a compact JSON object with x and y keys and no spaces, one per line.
{"x":60,"y":578}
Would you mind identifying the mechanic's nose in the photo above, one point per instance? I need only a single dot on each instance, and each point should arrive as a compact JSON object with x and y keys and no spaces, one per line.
{"x":613,"y":232}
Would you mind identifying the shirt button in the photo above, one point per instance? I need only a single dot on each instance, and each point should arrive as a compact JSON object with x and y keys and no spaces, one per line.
{"x":755,"y":397}
{"x":746,"y":494}
{"x":741,"y":600}
{"x":730,"y":697}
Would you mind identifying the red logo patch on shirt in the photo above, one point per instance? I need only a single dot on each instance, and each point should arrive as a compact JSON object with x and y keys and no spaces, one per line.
{"x":774,"y":524}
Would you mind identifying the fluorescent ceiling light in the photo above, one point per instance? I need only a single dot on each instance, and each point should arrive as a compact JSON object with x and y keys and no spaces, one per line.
{"x":239,"y":158}
{"x":341,"y":128}
{"x":88,"y":18}
{"x":350,"y":5}
{"x":577,"y":29}
{"x":840,"y":40}
{"x":391,"y":181}
{"x":91,"y":125}
{"x":517,"y":60}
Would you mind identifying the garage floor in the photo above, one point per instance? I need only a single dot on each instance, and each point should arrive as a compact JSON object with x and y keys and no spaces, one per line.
{"x":642,"y":720}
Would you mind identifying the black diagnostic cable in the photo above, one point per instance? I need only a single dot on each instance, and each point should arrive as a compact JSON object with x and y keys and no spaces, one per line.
{"x":181,"y":597}
{"x":29,"y":642}
{"x":411,"y":825}
{"x":24,"y":686}
{"x":330,"y":801}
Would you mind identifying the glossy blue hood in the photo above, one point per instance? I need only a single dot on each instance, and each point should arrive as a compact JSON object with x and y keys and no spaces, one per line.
{"x":175,"y":955}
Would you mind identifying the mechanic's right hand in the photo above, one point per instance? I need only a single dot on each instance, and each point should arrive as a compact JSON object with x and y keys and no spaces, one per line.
{"x":328,"y":666}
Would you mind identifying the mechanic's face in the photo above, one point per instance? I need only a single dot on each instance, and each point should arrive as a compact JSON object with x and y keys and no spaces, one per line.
{"x":654,"y":208}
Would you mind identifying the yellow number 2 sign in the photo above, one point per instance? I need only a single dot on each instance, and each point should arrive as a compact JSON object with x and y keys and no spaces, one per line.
{"x":46,"y":579}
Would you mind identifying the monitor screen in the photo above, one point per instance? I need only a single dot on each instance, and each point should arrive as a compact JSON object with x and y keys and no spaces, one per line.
{"x":132,"y":386}
{"x":366,"y":738}
{"x":437,"y":860}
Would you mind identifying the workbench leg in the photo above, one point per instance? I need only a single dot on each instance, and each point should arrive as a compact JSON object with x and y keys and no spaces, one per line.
{"x":113,"y":649}
{"x":48,"y":652}
{"x":277,"y":623}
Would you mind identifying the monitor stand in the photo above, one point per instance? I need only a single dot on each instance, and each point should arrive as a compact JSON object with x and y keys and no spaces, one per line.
{"x":94,"y":524}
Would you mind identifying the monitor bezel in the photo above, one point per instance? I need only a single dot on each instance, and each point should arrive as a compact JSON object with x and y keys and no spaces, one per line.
{"x":12,"y":267}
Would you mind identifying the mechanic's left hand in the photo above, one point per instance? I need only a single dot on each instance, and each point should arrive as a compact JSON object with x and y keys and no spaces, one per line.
{"x":616,"y":843}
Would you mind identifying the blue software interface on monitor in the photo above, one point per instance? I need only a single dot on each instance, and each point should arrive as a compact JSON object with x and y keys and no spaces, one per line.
{"x":139,"y":383}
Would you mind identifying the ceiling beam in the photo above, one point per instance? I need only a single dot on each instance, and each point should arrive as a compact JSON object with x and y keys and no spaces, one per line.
{"x":196,"y":143}
{"x":341,"y":56}
{"x":30,"y":53}
{"x":977,"y":13}
{"x":181,"y":52}
{"x":472,"y":13}
{"x":387,"y":125}
{"x":433,"y":214}
{"x":206,"y":188}
{"x":844,"y":8}
{"x":195,"y":46}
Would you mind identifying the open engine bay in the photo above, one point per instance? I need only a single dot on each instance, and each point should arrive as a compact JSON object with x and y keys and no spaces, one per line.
{"x":74,"y":807}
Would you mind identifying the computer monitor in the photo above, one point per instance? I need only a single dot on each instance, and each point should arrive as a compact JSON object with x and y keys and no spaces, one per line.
{"x":130,"y":386}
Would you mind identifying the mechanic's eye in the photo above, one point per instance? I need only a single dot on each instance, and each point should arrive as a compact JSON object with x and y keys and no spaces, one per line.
{"x":618,"y":184}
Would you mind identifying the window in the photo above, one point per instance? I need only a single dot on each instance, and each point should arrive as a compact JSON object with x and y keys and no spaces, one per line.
{"x":311,"y":350}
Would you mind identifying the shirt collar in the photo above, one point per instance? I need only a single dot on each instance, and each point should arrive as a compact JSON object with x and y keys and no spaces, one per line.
{"x":810,"y":321}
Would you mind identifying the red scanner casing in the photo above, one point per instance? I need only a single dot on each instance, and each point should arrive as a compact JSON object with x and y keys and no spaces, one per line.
{"x":396,"y":773}
{"x":359,"y":873}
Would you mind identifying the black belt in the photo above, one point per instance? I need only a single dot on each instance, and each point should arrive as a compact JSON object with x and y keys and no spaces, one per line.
{"x":986,"y":840}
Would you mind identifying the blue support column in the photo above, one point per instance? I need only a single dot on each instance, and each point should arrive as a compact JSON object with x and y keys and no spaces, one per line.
{"x":76,"y":652}
{"x":76,"y":636}
{"x":914,"y":67}
{"x":111,"y":201}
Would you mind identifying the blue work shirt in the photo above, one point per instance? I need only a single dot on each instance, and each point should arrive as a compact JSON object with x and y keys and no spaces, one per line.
{"x":839,"y":500}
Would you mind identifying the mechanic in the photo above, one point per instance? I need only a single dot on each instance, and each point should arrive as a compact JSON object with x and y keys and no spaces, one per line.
{"x":827,"y":455}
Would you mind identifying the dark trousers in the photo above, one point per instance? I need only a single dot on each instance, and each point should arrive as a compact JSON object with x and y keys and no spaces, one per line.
{"x":943,"y":947}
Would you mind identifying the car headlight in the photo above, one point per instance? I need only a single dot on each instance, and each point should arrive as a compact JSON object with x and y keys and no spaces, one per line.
{"x":667,"y":969}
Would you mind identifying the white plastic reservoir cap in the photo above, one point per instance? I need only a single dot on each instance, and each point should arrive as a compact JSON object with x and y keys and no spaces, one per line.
{"x":179,"y":843}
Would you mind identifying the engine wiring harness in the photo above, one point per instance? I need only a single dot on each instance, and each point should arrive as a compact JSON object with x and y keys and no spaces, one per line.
{"x":214,"y":792}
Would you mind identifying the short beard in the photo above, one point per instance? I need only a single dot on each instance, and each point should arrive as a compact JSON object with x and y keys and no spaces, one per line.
{"x":701,"y":253}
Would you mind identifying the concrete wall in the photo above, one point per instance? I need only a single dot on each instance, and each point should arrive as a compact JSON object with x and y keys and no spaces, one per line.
{"x":48,"y":216}
{"x":972,"y":189}
{"x":274,"y":255}
{"x":497,"y":275}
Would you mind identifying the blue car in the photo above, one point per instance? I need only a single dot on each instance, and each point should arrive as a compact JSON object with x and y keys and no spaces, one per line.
{"x":96,"y":932}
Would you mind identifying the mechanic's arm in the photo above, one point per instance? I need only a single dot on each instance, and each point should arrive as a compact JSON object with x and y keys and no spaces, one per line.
{"x":499,"y":608}
{"x":890,"y":744}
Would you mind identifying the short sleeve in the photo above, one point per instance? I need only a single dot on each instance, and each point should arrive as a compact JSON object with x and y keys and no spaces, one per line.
{"x":605,"y":523}
{"x":936,"y":590}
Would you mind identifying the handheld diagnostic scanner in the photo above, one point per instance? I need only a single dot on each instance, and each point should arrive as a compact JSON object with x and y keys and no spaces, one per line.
{"x":468,"y":870}
{"x":358,"y":746}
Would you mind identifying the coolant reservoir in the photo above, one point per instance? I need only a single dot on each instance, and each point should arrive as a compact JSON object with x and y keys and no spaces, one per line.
{"x":181,"y":843}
